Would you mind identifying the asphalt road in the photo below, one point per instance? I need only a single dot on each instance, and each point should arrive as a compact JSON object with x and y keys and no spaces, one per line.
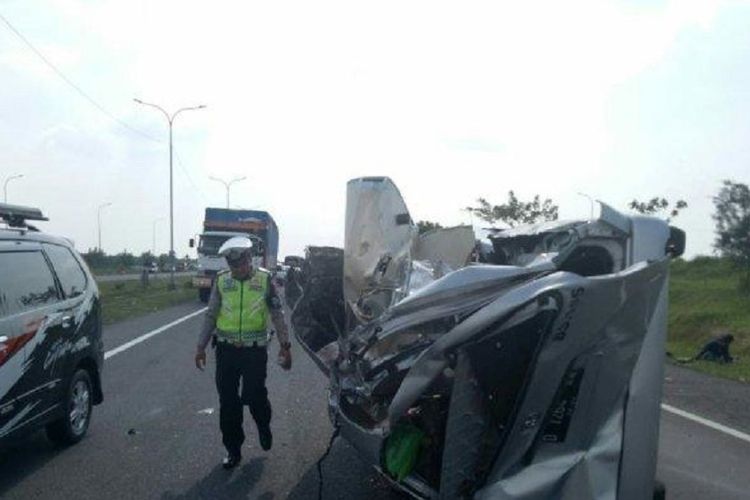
{"x":696,"y":461}
{"x":156,"y":436}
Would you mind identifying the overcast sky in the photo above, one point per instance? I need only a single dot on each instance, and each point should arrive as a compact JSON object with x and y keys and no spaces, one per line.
{"x":453,"y":100}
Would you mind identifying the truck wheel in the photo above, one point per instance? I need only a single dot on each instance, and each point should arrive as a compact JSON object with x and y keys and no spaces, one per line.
{"x":204,"y":294}
{"x":77,"y":404}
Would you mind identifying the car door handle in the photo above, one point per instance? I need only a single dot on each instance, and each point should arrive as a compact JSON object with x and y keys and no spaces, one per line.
{"x":67,"y":321}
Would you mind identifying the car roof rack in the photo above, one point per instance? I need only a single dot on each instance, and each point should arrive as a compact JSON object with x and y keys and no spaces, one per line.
{"x":16,"y":216}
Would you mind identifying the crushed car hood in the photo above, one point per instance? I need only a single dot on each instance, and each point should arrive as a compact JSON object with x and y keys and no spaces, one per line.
{"x":536,"y":375}
{"x":384,"y":257}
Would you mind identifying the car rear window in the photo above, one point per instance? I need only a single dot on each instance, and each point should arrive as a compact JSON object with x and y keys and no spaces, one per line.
{"x":26,"y":282}
{"x":69,"y":272}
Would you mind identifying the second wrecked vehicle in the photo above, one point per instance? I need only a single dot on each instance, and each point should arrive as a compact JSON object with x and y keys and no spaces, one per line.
{"x":537,"y":375}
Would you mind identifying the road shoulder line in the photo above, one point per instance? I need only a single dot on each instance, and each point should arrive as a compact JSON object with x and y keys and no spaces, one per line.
{"x":146,"y":336}
{"x":708,"y":423}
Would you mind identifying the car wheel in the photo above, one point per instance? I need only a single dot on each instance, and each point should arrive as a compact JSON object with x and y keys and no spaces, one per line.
{"x":660,"y":491}
{"x":77,"y":403}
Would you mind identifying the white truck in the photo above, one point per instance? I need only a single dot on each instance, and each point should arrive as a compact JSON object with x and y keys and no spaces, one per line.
{"x":220,"y":224}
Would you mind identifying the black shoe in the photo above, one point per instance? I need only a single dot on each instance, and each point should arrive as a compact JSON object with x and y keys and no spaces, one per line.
{"x":231,"y":461}
{"x":266,"y":438}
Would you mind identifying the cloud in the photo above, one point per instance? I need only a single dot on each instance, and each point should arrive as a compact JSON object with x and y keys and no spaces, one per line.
{"x":454,"y":101}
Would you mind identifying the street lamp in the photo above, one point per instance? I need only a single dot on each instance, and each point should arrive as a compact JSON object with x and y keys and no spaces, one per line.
{"x":170,"y":119}
{"x":5,"y":185}
{"x":99,"y":222}
{"x":153,"y":235}
{"x":591,"y":202}
{"x":227,"y":185}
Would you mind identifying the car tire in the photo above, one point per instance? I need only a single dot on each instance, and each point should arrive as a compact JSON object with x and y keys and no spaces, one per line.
{"x":204,"y":294}
{"x":78,"y":404}
{"x":660,"y":490}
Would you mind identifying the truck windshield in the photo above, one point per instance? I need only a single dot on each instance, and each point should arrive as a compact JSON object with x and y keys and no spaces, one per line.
{"x":210,"y":244}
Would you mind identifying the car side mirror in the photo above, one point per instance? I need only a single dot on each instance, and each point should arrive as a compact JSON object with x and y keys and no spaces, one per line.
{"x":192,"y":243}
{"x":403,"y":219}
{"x":676,"y":242}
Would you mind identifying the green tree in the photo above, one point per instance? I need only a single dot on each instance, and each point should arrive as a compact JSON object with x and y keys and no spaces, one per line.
{"x":100,"y":262}
{"x":163,"y":261}
{"x":95,"y":258}
{"x":425,"y":226}
{"x":126,"y":259}
{"x":147,"y":258}
{"x":732,"y":217}
{"x":657,"y":206}
{"x":515,"y":212}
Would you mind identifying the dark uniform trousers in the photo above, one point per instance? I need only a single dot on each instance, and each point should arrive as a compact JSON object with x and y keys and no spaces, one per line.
{"x":249,"y":365}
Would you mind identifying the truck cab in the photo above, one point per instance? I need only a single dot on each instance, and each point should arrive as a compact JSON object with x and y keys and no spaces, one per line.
{"x":219,"y":225}
{"x":210,"y":262}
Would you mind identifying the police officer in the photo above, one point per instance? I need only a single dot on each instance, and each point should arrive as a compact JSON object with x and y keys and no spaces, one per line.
{"x":242,"y":301}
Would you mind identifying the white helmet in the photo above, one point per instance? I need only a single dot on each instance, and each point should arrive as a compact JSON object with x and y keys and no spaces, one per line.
{"x":237,"y":247}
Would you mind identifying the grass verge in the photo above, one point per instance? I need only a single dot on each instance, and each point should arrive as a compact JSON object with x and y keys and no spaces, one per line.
{"x":128,"y":299}
{"x":704,"y":301}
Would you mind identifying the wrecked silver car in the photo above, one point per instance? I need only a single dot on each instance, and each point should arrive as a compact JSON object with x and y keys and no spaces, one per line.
{"x":535,"y":375}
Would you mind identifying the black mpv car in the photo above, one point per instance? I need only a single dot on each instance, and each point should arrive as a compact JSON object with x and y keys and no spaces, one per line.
{"x":51,"y":351}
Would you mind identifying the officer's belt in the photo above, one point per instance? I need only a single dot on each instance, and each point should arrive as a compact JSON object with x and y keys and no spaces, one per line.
{"x":223,"y":340}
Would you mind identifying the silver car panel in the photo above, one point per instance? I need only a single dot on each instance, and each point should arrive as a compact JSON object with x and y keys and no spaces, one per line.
{"x":537,"y":376}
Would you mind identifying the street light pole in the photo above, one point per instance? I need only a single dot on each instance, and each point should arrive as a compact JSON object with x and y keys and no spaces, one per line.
{"x":591,"y":202}
{"x":170,"y":120}
{"x":5,"y":185}
{"x":99,"y":222}
{"x":227,"y":185}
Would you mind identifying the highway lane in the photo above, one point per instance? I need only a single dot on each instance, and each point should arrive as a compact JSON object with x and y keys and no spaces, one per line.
{"x":697,"y":462}
{"x":157,"y":436}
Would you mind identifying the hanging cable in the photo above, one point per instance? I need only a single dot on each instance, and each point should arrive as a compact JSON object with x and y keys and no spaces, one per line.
{"x":334,"y":435}
{"x":189,"y":178}
{"x":72,"y":84}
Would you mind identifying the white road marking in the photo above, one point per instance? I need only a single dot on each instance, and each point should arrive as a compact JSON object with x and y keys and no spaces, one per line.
{"x":146,"y":336}
{"x":708,"y":423}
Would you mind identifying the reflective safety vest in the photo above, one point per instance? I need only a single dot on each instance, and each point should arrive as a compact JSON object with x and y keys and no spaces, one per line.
{"x":244,"y":313}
